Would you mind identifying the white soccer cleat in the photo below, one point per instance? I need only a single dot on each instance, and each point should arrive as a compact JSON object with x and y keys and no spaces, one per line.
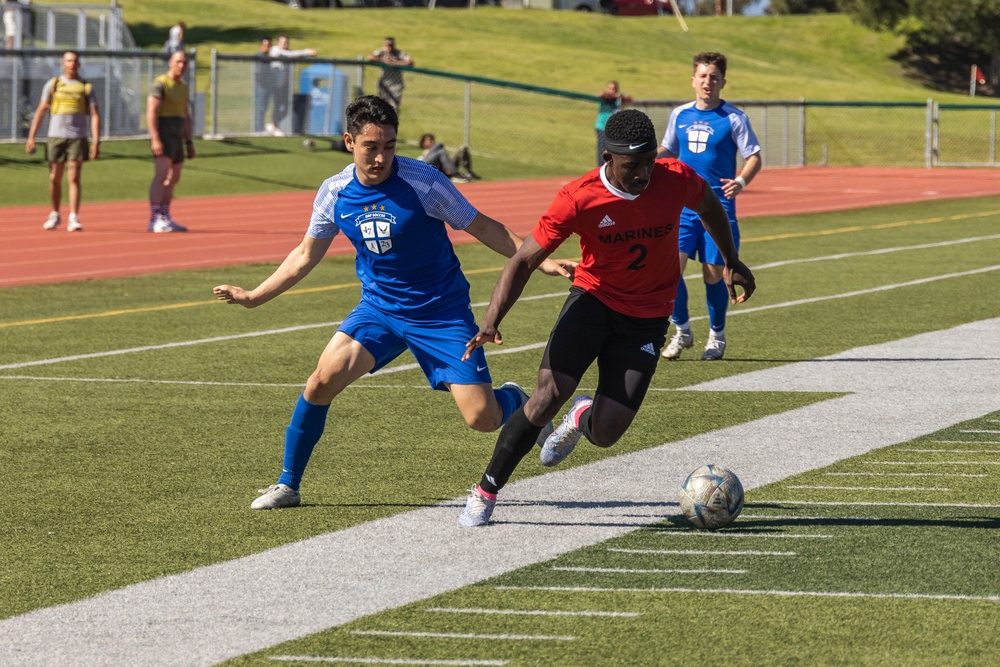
{"x":681,"y":341}
{"x":714,"y":348}
{"x":547,"y":429}
{"x":478,"y":509}
{"x":562,"y":441}
{"x":52,"y":221}
{"x":74,"y":224}
{"x":275,"y":497}
{"x":162,"y":225}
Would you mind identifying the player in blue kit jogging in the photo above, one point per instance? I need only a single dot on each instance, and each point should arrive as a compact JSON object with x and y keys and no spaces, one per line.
{"x":414,"y":296}
{"x":706,"y":134}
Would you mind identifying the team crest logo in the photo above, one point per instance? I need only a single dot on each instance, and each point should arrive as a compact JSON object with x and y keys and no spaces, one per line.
{"x":698,"y":137}
{"x":376,"y":229}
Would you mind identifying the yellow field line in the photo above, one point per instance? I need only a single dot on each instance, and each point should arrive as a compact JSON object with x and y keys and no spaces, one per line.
{"x":327,"y":288}
{"x":887,"y":225}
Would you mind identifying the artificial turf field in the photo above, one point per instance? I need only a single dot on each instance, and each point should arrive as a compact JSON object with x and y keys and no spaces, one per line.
{"x":141,"y":417}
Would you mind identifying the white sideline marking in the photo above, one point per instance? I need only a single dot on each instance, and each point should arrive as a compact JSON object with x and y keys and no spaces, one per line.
{"x":934,"y":463}
{"x":908,"y":474}
{"x":390,"y":661}
{"x":536,"y":612}
{"x":868,"y":488}
{"x":977,"y":431}
{"x":742,"y":311}
{"x":464,"y":635}
{"x":214,"y":613}
{"x":876,"y":504}
{"x":693,"y":552}
{"x":736,"y":591}
{"x":677,"y":533}
{"x":622,"y":570}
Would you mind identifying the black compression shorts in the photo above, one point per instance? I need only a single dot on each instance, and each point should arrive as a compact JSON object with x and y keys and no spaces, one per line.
{"x":626,"y":348}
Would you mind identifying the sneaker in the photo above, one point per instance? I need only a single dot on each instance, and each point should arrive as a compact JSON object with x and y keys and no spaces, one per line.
{"x":278,"y":132}
{"x":53,"y":221}
{"x":478,"y":509}
{"x":562,"y":441}
{"x":74,"y":224}
{"x":682,"y":340}
{"x":714,"y":348}
{"x":275,"y":497}
{"x":269,"y":128}
{"x":547,"y":429}
{"x":163,"y":225}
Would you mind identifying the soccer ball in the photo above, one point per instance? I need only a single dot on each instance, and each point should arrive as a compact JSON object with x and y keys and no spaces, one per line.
{"x":711,"y":497}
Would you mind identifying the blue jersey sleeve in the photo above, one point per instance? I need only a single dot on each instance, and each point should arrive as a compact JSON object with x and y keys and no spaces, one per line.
{"x":322,"y":223}
{"x":439,"y":197}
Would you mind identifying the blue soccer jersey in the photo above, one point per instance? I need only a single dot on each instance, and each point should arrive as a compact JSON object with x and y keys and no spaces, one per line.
{"x":707,"y":141}
{"x":405,"y":260}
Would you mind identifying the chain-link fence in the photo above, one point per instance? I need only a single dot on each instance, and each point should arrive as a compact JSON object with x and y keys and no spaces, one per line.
{"x":506,"y":121}
{"x":511,"y":123}
{"x":79,"y":26}
{"x":120,"y":81}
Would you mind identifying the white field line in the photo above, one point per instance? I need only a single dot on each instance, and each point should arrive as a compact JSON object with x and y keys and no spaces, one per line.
{"x":875,"y":504}
{"x":535,"y":612}
{"x":934,"y":463}
{"x":623,"y":570}
{"x":693,"y":552}
{"x":881,"y":251}
{"x":867,"y":488}
{"x":396,"y":369}
{"x":952,"y":451}
{"x":390,"y":661}
{"x":977,"y":431}
{"x":736,"y":591}
{"x":810,"y":518}
{"x":464,"y":635}
{"x":966,"y":442}
{"x":907,"y":474}
{"x":677,"y":533}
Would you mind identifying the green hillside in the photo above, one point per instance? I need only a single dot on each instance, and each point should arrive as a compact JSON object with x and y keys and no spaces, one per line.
{"x":823,"y":57}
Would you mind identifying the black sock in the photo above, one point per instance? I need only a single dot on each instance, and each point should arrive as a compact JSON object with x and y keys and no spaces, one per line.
{"x":516,"y":439}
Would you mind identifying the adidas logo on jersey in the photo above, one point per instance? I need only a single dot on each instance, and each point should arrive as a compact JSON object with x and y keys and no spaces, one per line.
{"x":648,"y":349}
{"x":606,"y":222}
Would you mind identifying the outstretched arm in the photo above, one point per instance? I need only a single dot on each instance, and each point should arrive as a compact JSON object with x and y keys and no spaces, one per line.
{"x":498,"y":238}
{"x":296,"y":266}
{"x":716,"y":221}
{"x":515,"y":276}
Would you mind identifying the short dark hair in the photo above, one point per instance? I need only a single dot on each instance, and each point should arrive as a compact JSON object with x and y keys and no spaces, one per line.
{"x":711,"y":58}
{"x":629,"y":127}
{"x":426,"y":137}
{"x":370,"y":109}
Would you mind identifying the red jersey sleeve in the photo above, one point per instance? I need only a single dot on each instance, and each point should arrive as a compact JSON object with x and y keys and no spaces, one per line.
{"x":556,"y":225}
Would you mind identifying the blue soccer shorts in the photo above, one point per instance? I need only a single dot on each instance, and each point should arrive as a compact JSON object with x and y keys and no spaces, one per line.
{"x":437,"y":342}
{"x":694,"y":240}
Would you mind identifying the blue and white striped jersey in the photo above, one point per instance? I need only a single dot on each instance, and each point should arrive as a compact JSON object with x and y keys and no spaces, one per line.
{"x":405,"y":260}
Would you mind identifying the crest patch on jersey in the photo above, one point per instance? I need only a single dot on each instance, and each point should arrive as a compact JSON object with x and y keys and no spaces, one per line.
{"x":376,"y":229}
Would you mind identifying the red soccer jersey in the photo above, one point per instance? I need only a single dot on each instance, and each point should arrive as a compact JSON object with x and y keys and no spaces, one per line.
{"x":629,"y":243}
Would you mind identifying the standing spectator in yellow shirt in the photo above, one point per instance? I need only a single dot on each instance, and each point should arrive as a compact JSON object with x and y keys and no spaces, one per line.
{"x":69,"y":101}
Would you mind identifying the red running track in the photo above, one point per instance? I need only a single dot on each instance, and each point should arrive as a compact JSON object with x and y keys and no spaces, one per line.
{"x":264,"y":228}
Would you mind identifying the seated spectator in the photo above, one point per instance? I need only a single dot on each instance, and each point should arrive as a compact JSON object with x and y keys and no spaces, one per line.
{"x":457,"y":167}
